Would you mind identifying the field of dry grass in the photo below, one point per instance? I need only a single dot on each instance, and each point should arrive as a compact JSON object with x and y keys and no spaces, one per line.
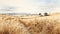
{"x":30,"y":24}
{"x":43,"y":25}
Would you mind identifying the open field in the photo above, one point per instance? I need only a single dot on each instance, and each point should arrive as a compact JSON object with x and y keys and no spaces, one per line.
{"x":30,"y":24}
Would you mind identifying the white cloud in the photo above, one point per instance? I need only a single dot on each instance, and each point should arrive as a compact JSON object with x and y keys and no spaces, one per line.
{"x":32,"y":6}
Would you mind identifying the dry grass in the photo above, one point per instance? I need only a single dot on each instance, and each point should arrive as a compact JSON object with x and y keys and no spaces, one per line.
{"x":29,"y":25}
{"x":11,"y":25}
{"x":43,"y":25}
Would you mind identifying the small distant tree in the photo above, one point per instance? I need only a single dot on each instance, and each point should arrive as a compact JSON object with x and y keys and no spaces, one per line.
{"x":46,"y":14}
{"x":39,"y":13}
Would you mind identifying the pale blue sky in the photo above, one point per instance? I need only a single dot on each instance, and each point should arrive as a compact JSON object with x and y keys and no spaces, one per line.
{"x":30,"y":6}
{"x":48,"y":2}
